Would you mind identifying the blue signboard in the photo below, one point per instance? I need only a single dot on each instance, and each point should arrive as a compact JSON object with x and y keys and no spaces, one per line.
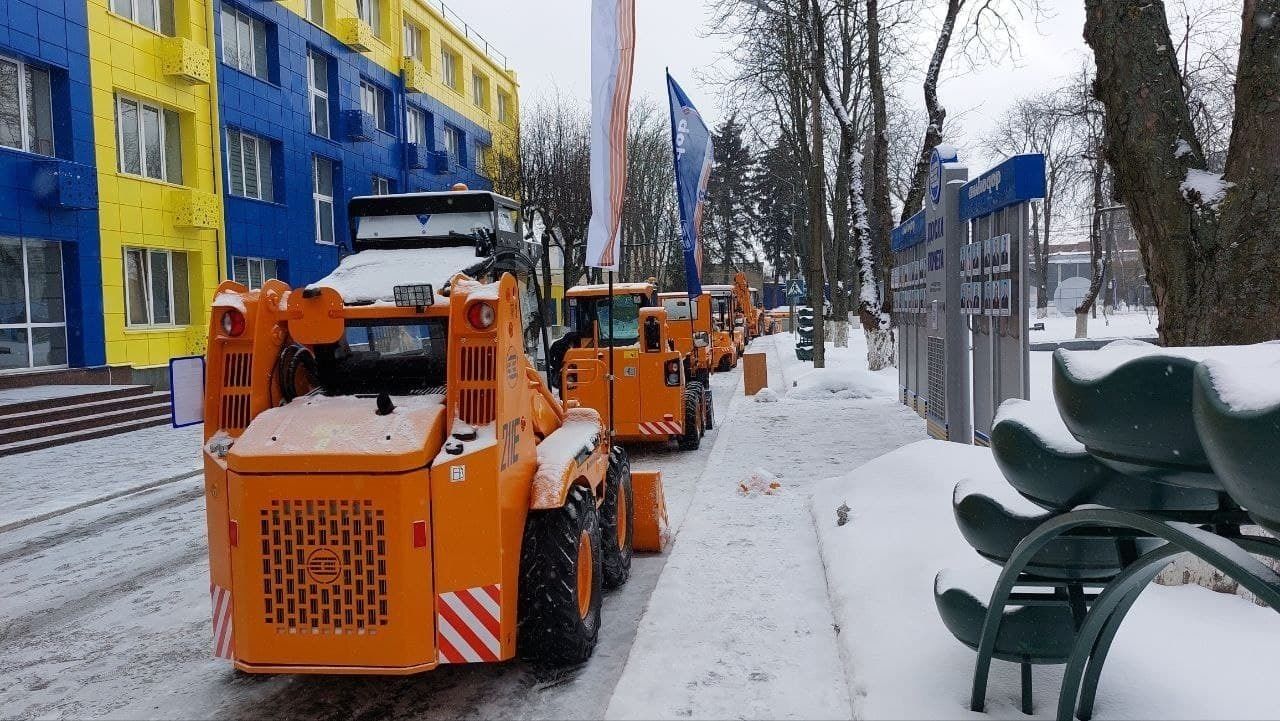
{"x":910,"y":233}
{"x":1016,"y":180}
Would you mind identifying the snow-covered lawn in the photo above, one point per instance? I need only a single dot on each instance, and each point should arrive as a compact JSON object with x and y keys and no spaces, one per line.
{"x":740,"y":625}
{"x":1129,"y":324}
{"x":1184,"y":652}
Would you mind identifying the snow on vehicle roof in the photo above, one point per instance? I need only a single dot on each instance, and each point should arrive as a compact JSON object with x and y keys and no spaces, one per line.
{"x":1043,"y":421}
{"x":579,"y":431}
{"x":603,"y":288}
{"x":717,"y":288}
{"x":1093,"y":365}
{"x":371,"y":276}
{"x":1247,"y":383}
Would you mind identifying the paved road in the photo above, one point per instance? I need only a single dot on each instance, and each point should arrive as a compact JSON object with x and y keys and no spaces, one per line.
{"x":105,"y":612}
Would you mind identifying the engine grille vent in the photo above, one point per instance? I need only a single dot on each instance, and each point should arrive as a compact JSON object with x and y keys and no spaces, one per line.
{"x":324,"y":566}
{"x":237,"y":384}
{"x":476,"y":399}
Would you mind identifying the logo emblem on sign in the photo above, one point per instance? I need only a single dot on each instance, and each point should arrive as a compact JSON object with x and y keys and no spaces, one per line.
{"x":935,"y":177}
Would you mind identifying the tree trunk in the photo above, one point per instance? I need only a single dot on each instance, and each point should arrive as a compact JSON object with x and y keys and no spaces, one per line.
{"x":937,"y":113}
{"x":817,"y":188}
{"x":1095,"y":250}
{"x":881,"y":209}
{"x":1207,"y":243}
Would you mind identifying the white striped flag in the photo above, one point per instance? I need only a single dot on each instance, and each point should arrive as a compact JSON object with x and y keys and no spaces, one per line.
{"x":613,"y":35}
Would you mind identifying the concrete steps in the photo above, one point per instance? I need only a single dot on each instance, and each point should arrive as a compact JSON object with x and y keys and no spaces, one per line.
{"x":37,"y":421}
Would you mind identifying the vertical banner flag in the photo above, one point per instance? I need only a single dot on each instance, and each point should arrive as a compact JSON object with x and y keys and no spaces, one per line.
{"x":613,"y":35}
{"x":692,"y":149}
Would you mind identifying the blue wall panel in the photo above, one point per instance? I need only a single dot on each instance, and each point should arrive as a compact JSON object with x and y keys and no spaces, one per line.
{"x":34,"y":202}
{"x":279,"y":111}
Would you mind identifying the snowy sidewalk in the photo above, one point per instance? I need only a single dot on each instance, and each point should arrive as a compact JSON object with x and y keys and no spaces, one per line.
{"x":740,"y":625}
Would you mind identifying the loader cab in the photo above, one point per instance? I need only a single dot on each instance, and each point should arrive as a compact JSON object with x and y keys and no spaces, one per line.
{"x":728,"y":326}
{"x":690,"y":321}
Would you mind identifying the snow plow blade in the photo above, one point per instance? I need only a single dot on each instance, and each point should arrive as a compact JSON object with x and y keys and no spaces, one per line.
{"x":651,"y":533}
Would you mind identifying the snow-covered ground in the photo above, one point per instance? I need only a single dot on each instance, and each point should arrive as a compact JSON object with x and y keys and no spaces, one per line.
{"x":739,"y":625}
{"x":1183,"y":652}
{"x":1128,"y":324}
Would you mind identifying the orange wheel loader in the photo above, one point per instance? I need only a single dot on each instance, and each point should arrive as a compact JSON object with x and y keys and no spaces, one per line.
{"x":728,"y":337}
{"x":690,"y":322}
{"x":390,"y":485}
{"x":655,"y":396}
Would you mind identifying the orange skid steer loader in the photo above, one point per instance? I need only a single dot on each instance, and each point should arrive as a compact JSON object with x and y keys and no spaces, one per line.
{"x":390,"y":484}
{"x":655,"y":396}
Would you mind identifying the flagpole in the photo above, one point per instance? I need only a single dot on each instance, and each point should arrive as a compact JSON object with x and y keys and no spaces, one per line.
{"x":611,"y":351}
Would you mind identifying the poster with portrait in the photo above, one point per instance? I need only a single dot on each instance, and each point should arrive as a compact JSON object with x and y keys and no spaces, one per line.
{"x":1006,"y":247}
{"x":1006,"y":297}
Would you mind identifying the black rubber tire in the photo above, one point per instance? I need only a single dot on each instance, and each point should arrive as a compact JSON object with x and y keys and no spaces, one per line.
{"x":693,"y":430}
{"x":726,"y":364}
{"x":617,"y":554}
{"x":551,"y":630}
{"x":709,"y":421}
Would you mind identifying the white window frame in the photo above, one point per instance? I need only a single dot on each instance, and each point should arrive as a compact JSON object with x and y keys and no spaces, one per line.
{"x":250,"y":263}
{"x":142,"y":143}
{"x":482,"y":158}
{"x":412,"y":39}
{"x":370,"y":12}
{"x":453,"y":144}
{"x":255,"y":25}
{"x":317,"y":197}
{"x":449,"y":67}
{"x":147,"y":253}
{"x":373,"y":100}
{"x":266,"y":191}
{"x":24,"y":104}
{"x":310,"y":7}
{"x":381,"y":185}
{"x":415,"y":124}
{"x":314,"y":92}
{"x":479,"y":90}
{"x":503,"y":101}
{"x":28,"y":326}
{"x":155,"y":8}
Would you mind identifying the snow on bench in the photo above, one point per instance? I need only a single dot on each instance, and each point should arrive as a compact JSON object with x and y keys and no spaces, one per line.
{"x":1043,"y":421}
{"x":1094,"y":365}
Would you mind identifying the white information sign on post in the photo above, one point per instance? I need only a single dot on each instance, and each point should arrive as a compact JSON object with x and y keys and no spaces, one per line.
{"x":186,"y":390}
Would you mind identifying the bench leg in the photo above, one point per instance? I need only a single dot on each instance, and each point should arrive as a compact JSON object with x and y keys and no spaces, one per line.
{"x":1026,"y":688}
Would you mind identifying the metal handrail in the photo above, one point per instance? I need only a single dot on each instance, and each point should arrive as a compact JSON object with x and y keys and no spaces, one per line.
{"x":469,"y":33}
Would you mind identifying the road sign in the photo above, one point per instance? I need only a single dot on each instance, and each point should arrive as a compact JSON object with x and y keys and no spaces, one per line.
{"x":796,"y":288}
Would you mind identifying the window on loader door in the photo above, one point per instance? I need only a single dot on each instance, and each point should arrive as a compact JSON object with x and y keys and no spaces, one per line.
{"x":625,"y":314}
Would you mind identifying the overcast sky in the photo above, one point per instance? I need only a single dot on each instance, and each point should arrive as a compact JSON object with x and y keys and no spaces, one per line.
{"x":547,"y":43}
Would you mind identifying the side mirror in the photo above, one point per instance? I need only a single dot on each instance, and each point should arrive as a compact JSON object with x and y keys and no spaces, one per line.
{"x":701,"y":339}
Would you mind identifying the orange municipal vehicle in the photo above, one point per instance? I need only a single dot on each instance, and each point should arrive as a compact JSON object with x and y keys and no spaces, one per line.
{"x":728,"y":325}
{"x":390,"y":484}
{"x":654,"y":396}
{"x":690,"y":323}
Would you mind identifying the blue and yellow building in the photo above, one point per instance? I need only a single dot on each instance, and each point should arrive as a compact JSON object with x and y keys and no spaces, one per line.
{"x":160,"y":146}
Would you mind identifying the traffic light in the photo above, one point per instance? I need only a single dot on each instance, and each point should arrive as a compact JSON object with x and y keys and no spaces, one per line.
{"x":804,"y":331}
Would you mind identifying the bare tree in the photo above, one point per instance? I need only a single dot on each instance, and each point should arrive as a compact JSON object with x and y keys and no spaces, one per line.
{"x":1206,"y":239}
{"x":650,"y":230}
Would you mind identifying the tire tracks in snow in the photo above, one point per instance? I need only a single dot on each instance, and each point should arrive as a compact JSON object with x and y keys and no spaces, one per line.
{"x":24,"y":522}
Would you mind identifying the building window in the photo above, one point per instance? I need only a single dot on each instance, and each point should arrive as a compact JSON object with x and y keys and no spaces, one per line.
{"x":33,"y":322}
{"x":249,"y":166}
{"x":449,"y":67}
{"x":322,"y":198}
{"x":373,"y":100}
{"x":381,"y":185}
{"x":155,"y":14}
{"x":252,"y":272}
{"x":484,"y":155}
{"x":413,"y":41}
{"x":244,"y":43}
{"x":150,"y":140}
{"x":479,"y":90}
{"x":371,"y":14}
{"x":318,"y":84}
{"x":156,"y":288}
{"x":26,"y":107}
{"x":504,"y":109}
{"x":315,"y":11}
{"x":416,"y":129}
{"x":453,"y":145}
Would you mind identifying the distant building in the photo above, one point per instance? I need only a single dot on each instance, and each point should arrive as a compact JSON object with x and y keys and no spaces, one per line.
{"x":1124,"y":276}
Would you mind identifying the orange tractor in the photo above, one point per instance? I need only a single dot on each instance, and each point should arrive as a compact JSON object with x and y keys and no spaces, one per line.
{"x":390,"y":485}
{"x":690,"y":321}
{"x":729,"y":326}
{"x":655,"y":395}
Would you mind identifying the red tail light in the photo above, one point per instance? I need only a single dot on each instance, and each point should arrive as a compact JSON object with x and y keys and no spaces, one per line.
{"x":233,"y":533}
{"x":481,"y":315}
{"x":419,"y":534}
{"x":233,"y":323}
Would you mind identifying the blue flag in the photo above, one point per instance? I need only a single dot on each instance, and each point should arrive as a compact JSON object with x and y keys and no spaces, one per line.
{"x":691,"y":145}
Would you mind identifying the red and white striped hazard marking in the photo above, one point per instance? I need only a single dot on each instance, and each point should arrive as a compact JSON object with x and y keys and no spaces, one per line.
{"x":468,"y":624}
{"x":660,"y":428}
{"x":223,"y":639}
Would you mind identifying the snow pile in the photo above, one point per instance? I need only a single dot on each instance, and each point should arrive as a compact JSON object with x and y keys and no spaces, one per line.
{"x":371,"y":276}
{"x":1044,"y":422}
{"x":841,"y":381}
{"x":759,"y":483}
{"x":1109,"y":325}
{"x":1248,"y":383}
{"x":1204,"y":188}
{"x":1092,"y":365}
{"x":1181,"y":148}
{"x":579,"y":433}
{"x":902,"y":662}
{"x":228,"y":299}
{"x":766,"y":395}
{"x":998,"y":490}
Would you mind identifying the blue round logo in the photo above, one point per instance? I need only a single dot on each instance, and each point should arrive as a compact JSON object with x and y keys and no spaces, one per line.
{"x":935,"y":177}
